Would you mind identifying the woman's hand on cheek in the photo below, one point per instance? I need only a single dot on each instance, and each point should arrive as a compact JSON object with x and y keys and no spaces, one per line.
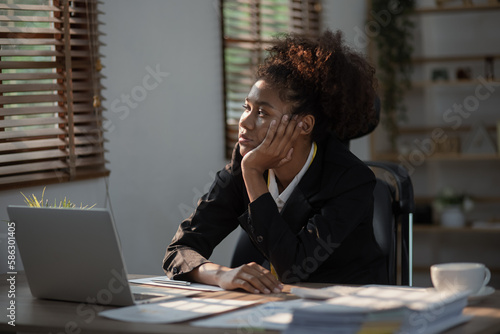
{"x":277,"y":147}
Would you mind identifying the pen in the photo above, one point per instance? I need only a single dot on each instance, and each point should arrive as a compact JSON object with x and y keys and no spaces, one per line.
{"x":171,"y":282}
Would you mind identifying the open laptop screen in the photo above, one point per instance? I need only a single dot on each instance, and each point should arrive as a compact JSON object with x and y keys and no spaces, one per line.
{"x":71,"y":254}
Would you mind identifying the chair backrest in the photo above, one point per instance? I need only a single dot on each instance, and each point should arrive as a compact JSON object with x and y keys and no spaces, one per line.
{"x":385,"y":226}
{"x":394,"y":206}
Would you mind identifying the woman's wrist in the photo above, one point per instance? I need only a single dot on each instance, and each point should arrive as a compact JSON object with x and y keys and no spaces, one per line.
{"x":255,"y":183}
{"x":208,"y":273}
{"x":251,"y":173}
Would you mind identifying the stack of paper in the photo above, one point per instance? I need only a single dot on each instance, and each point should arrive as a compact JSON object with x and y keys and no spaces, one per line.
{"x":347,"y":315}
{"x":274,"y":315}
{"x":382,"y":309}
{"x":176,"y":310}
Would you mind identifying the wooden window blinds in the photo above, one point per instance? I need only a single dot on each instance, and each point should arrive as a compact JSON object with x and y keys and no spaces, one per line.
{"x":50,"y":101}
{"x":248,"y":27}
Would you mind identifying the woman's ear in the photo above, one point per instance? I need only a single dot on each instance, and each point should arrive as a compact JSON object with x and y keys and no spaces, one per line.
{"x":307,"y":124}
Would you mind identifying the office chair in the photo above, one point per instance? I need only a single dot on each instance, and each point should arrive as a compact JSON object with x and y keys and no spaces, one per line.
{"x":394,"y":206}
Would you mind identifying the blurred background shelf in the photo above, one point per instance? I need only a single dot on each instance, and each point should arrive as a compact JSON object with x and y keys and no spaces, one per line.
{"x":397,"y":157}
{"x":465,"y":40}
{"x":455,"y":93}
{"x":436,"y":244}
{"x":458,"y":9}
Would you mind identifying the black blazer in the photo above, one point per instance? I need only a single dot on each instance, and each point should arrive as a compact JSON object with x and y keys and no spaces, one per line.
{"x":323,"y":234}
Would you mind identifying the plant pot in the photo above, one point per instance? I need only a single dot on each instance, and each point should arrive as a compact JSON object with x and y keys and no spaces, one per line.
{"x":452,"y":216}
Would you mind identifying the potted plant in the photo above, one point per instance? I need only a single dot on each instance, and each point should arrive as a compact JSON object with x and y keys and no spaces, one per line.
{"x":393,"y":53}
{"x":33,"y":201}
{"x":452,"y":205}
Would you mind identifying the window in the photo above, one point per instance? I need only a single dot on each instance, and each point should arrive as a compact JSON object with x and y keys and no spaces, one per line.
{"x":50,"y":113}
{"x":248,"y":27}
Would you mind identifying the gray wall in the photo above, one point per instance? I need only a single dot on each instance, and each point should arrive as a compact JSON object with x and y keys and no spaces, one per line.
{"x":165,"y":131}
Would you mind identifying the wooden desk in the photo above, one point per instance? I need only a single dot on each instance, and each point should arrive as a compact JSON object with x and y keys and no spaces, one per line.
{"x":44,"y":316}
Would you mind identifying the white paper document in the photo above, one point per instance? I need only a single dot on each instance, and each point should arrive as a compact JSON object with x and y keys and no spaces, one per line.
{"x":271,"y":315}
{"x":161,"y":291}
{"x":164,"y":282}
{"x":176,"y":310}
{"x":324,"y":293}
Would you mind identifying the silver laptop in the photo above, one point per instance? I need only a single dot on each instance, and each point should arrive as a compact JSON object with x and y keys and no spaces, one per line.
{"x":73,"y":255}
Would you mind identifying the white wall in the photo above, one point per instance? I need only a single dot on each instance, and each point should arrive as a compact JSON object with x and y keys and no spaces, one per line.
{"x":165,"y":136}
{"x":164,"y":145}
{"x":350,"y":18}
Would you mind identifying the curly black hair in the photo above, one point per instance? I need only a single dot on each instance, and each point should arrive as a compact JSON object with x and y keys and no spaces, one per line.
{"x":325,"y":78}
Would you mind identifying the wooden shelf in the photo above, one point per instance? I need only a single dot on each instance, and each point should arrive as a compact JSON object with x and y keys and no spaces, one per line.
{"x":465,"y":157}
{"x":409,"y":130}
{"x":456,"y":9}
{"x":449,"y":83}
{"x":443,"y":229}
{"x":438,"y":157}
{"x":476,"y":199}
{"x":457,"y":58}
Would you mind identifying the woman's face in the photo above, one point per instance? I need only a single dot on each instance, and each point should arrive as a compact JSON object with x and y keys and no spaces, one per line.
{"x":262,"y":105}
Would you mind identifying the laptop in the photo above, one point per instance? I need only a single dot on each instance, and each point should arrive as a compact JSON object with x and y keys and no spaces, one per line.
{"x":74,"y":255}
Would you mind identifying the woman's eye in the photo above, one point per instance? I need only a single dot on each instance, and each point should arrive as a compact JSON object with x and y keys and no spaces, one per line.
{"x":260,"y":112}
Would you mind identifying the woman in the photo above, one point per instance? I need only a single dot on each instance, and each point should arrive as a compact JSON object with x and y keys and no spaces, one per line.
{"x":292,"y":184}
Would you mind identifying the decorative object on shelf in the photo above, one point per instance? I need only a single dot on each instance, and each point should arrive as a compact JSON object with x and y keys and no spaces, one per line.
{"x":452,"y":205}
{"x":464,"y":73}
{"x":394,"y":66}
{"x":479,"y":141}
{"x":489,"y":68}
{"x":440,"y":74}
{"x":452,"y":216}
{"x":451,"y":144}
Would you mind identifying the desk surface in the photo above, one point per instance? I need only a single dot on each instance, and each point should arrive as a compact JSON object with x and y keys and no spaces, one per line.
{"x":44,"y":316}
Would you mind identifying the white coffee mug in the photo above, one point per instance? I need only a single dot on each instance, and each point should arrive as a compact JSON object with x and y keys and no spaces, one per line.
{"x":460,"y":276}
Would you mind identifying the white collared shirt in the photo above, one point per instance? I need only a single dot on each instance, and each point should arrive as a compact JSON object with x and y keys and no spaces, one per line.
{"x":281,"y":199}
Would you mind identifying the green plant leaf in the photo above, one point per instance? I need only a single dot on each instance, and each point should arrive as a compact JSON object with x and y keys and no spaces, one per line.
{"x":33,"y":201}
{"x":394,"y":66}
